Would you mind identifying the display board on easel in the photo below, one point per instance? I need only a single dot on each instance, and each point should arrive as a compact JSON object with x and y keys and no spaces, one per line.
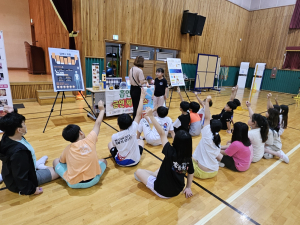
{"x":175,"y":72}
{"x":66,"y":69}
{"x":206,"y":71}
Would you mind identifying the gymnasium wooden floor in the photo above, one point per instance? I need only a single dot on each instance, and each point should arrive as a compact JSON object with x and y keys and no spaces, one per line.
{"x":118,"y":198}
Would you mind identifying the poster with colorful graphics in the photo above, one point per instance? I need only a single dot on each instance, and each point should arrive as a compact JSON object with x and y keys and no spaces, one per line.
{"x":5,"y":92}
{"x":119,"y":101}
{"x":175,"y":72}
{"x":66,"y":69}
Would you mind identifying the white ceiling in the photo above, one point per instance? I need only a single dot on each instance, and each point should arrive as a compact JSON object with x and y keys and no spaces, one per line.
{"x":252,"y":5}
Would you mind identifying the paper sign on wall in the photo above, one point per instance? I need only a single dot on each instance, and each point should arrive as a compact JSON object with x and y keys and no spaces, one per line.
{"x":5,"y":92}
{"x":66,"y":69}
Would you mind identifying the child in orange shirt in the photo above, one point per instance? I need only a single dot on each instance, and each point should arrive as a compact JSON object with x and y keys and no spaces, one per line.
{"x":79,"y":165}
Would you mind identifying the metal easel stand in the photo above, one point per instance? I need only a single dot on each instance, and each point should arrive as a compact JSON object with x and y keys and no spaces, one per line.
{"x":172,"y":95}
{"x":92,"y":115}
{"x":52,"y":109}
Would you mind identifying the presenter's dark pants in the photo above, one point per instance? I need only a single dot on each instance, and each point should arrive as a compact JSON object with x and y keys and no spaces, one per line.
{"x":135,"y":92}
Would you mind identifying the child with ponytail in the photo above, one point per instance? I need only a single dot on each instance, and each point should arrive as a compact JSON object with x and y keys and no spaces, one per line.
{"x":283,"y":113}
{"x":258,"y":134}
{"x":273,"y":144}
{"x":238,"y":155}
{"x":204,"y":158}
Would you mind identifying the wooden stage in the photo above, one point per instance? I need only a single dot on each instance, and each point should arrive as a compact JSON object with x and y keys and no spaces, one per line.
{"x":24,"y":85}
{"x":268,"y":193}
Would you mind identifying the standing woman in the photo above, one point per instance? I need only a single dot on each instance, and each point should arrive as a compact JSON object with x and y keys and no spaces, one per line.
{"x":137,"y":79}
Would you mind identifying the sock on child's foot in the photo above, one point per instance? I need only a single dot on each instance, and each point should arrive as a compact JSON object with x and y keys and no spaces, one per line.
{"x":268,"y":156}
{"x":221,"y":164}
{"x":41,"y":167}
{"x":1,"y":180}
{"x":41,"y":161}
{"x":135,"y":176}
{"x":284,"y":157}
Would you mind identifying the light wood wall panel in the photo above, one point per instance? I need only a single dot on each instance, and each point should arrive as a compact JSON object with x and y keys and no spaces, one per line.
{"x":49,"y":31}
{"x":269,"y":35}
{"x":157,"y":23}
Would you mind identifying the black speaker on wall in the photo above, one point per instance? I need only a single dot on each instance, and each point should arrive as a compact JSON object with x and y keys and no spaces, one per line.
{"x":198,"y":25}
{"x":188,"y":21}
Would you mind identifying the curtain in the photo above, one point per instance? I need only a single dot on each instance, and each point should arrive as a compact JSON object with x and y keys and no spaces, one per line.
{"x":295,"y":21}
{"x":63,"y":9}
{"x":292,"y":60}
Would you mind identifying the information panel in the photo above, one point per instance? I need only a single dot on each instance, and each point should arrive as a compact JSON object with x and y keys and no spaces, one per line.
{"x":175,"y":72}
{"x":66,"y":69}
{"x":5,"y":93}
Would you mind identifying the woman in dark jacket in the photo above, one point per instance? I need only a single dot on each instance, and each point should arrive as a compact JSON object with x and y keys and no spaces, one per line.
{"x":18,"y":158}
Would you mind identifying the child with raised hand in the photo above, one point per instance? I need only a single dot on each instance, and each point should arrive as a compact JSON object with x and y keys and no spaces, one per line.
{"x":258,"y":134}
{"x":151,"y":135}
{"x":283,"y":113}
{"x":160,"y":89}
{"x":205,"y":156}
{"x":201,"y":112}
{"x":195,"y":121}
{"x":226,"y":116}
{"x":78,"y":165}
{"x":125,"y":148}
{"x":168,"y":180}
{"x":238,"y":155}
{"x":183,"y":121}
{"x":273,"y":144}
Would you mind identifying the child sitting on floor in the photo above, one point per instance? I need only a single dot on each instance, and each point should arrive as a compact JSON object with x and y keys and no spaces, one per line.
{"x":226,"y":115}
{"x":125,"y":148}
{"x":78,"y":165}
{"x":151,"y":136}
{"x":239,"y":154}
{"x":258,"y":134}
{"x":273,"y":144}
{"x":195,"y":122}
{"x":183,"y":121}
{"x":283,"y":114}
{"x":201,"y":111}
{"x":168,"y":180}
{"x":205,"y":156}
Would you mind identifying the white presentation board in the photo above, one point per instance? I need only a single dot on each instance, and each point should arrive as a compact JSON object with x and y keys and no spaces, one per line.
{"x":244,"y":67}
{"x":66,"y":69}
{"x":175,"y":72}
{"x":5,"y":92}
{"x":260,"y":68}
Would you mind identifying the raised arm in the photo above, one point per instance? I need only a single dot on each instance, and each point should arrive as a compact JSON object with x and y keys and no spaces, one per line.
{"x":207,"y":111}
{"x":233,"y":92}
{"x":98,"y":122}
{"x":140,"y":108}
{"x":276,"y":101}
{"x":178,"y":90}
{"x":157,"y":126}
{"x":199,"y":100}
{"x":269,"y":104}
{"x":248,"y":104}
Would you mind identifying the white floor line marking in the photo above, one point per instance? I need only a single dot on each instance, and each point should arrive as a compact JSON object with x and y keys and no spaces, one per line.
{"x":243,"y":189}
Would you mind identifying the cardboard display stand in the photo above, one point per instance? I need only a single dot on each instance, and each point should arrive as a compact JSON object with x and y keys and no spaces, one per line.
{"x":206,"y":71}
{"x":259,"y":71}
{"x":243,"y":74}
{"x":5,"y":92}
